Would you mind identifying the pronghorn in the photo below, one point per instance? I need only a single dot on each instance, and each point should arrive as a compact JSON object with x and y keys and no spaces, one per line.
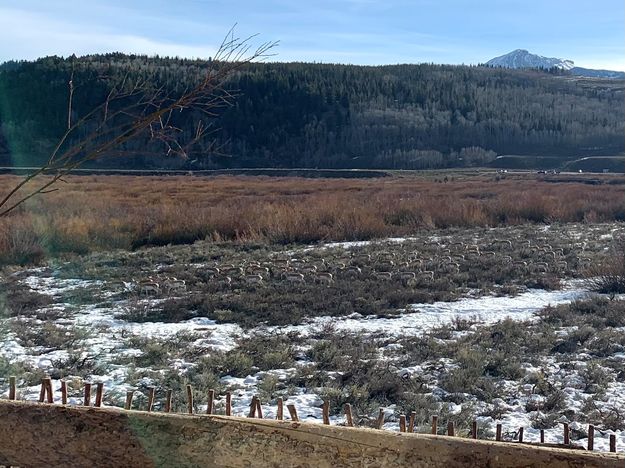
{"x":407,"y":276}
{"x":253,"y":279}
{"x":234,"y":271}
{"x":174,"y":285}
{"x":324,"y":277}
{"x":149,"y":287}
{"x":212,"y":271}
{"x":383,"y":275}
{"x":540,"y":267}
{"x":353,"y":271}
{"x":427,"y":275}
{"x":292,"y":277}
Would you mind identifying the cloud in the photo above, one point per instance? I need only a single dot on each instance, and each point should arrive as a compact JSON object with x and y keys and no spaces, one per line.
{"x":27,"y":35}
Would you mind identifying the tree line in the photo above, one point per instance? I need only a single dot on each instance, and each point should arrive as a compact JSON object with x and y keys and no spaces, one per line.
{"x":325,"y":115}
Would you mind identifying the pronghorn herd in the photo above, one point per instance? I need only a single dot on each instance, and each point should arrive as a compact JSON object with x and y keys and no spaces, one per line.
{"x":410,"y":263}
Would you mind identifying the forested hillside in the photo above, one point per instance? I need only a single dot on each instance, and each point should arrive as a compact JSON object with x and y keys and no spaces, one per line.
{"x":331,"y":116}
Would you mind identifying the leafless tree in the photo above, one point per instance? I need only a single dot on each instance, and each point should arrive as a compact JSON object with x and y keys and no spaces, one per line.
{"x":132,"y":109}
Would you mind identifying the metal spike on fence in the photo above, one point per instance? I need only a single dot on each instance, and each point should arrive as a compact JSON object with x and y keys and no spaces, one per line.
{"x":326,"y":412}
{"x":99,"y":394}
{"x":293,"y":412}
{"x":591,"y":437}
{"x":498,"y":433}
{"x":434,"y":425}
{"x":87,"y":398}
{"x":151,"y":393}
{"x":348,"y":415}
{"x":129,"y":396}
{"x":380,"y":422}
{"x":12,"y":388}
{"x":189,"y":399}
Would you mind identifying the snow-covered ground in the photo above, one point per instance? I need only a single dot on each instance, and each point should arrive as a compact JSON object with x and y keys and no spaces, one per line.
{"x":109,"y":337}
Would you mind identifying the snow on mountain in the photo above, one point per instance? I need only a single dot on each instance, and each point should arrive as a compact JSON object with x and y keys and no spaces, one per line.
{"x":521,"y":58}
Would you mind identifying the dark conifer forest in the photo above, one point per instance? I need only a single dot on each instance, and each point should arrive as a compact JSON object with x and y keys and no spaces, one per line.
{"x":329,"y":116}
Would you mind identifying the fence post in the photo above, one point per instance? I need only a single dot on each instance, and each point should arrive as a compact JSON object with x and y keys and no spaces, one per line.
{"x":326,"y":412}
{"x":211,"y":402}
{"x":63,"y":392}
{"x":293,"y":412}
{"x":450,"y":428}
{"x":87,"y":399}
{"x":168,"y":398}
{"x":49,"y":394}
{"x":498,"y":433}
{"x":252,"y":413}
{"x":151,"y":391}
{"x":12,"y":388}
{"x":434,"y":425}
{"x":542,"y":436}
{"x":402,"y":423}
{"x":42,"y":391}
{"x":228,"y":404}
{"x":411,"y":421}
{"x":129,"y":395}
{"x":591,"y":437}
{"x":380,"y":421}
{"x":612,"y":442}
{"x":259,"y":408}
{"x":566,"y":440}
{"x":521,"y":435}
{"x":189,"y":399}
{"x":474,"y":430}
{"x":99,"y":393}
{"x":348,"y":415}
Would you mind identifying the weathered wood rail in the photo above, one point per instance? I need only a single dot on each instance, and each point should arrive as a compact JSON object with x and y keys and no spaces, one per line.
{"x":35,"y":434}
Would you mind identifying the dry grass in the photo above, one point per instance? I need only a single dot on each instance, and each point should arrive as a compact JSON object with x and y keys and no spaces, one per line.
{"x":105,"y":212}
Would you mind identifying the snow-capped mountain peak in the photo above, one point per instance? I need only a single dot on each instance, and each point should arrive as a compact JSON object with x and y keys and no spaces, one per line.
{"x":521,"y":58}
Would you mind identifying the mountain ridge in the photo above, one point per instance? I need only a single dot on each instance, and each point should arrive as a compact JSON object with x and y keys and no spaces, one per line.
{"x":522,"y":58}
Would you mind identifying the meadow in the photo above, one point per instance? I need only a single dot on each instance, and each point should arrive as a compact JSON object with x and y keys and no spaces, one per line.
{"x":488,"y":297}
{"x":97,"y":213}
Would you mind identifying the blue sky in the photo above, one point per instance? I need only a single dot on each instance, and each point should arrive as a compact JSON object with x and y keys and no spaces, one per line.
{"x":592,"y":33}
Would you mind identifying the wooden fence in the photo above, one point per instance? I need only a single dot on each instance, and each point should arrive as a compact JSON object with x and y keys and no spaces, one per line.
{"x":48,"y":434}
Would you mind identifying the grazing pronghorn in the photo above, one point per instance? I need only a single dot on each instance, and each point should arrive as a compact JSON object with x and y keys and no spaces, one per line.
{"x":353,"y":271}
{"x":293,"y":277}
{"x":383,"y":275}
{"x":148,"y":287}
{"x":324,"y":277}
{"x":426,"y":275}
{"x":174,"y":285}
{"x":253,"y":279}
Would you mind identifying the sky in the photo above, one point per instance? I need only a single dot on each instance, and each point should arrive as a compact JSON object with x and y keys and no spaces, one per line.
{"x":368,"y":32}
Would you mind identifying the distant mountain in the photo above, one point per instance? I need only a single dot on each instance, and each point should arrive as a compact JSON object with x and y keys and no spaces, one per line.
{"x":521,"y":58}
{"x":579,"y":71}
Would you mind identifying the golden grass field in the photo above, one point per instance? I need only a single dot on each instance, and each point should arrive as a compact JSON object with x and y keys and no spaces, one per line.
{"x":103,"y":212}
